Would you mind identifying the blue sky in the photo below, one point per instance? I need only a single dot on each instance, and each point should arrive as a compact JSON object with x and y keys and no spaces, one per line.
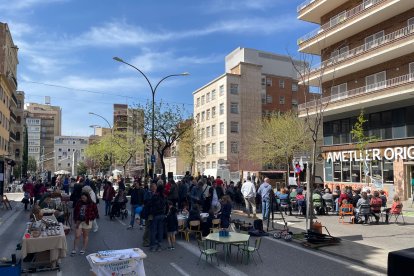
{"x":66,"y":48}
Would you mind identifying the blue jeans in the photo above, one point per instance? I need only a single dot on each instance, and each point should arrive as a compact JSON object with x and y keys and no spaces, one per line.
{"x":133,"y":207}
{"x":107,"y":207}
{"x":157,"y":230}
{"x":265,"y":208}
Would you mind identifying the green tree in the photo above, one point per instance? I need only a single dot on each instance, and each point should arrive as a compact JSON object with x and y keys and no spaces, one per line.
{"x":31,"y":165}
{"x":97,"y":154}
{"x":277,"y":138}
{"x":81,"y":168}
{"x":126,"y":146}
{"x":189,"y":146}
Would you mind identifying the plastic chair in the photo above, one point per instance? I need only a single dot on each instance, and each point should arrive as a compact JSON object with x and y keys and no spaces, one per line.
{"x":194,"y":227}
{"x":397,"y":214}
{"x":250,"y":250}
{"x":215,"y":224}
{"x":346,"y":210}
{"x":329,"y":205}
{"x":182,"y":229}
{"x":208,"y":252}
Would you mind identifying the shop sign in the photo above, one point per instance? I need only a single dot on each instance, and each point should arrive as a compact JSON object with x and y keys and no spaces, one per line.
{"x":390,"y":154}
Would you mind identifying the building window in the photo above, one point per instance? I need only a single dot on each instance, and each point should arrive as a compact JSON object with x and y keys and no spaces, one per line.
{"x":221,"y":108}
{"x":281,"y":83}
{"x":411,"y":70}
{"x":221,"y":90}
{"x":337,"y":90}
{"x":198,"y":101}
{"x":213,"y":94}
{"x":294,"y":87}
{"x":221,"y":147}
{"x":234,"y":108}
{"x":213,"y":148}
{"x":198,"y":117}
{"x":202,"y":99}
{"x":208,"y":149}
{"x":374,"y":40}
{"x":203,"y":115}
{"x":294,"y":103}
{"x":234,"y":147}
{"x":207,"y":165}
{"x":375,"y":81}
{"x":208,"y":97}
{"x":234,"y":127}
{"x":213,"y":112}
{"x":203,"y":133}
{"x":208,"y":114}
{"x":221,"y":128}
{"x":268,"y":81}
{"x":234,"y":89}
{"x":263,"y":81}
{"x":269,"y":99}
{"x":207,"y":131}
{"x":213,"y":130}
{"x":213,"y":165}
{"x":282,"y":100}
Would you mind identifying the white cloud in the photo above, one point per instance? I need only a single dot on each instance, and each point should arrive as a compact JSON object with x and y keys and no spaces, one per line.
{"x":237,"y":5}
{"x":25,"y":4}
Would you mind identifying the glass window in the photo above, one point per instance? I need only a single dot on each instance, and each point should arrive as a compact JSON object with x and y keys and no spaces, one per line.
{"x":208,"y":97}
{"x":376,"y":169}
{"x":268,"y":81}
{"x":221,"y":108}
{"x":337,"y":171}
{"x":207,"y":165}
{"x":356,"y":172}
{"x":388,"y":172}
{"x":328,"y":171}
{"x":221,"y":147}
{"x":234,"y":147}
{"x":281,"y":99}
{"x":213,"y":112}
{"x":203,"y":133}
{"x":234,"y":108}
{"x":346,"y":172}
{"x":213,"y":165}
{"x":213,"y":130}
{"x":198,"y":101}
{"x":294,"y":87}
{"x":213,"y":148}
{"x":202,"y":99}
{"x":207,"y":131}
{"x":234,"y":127}
{"x":208,"y":149}
{"x":269,"y":99}
{"x":203,"y":115}
{"x":213,"y":94}
{"x":345,"y":131}
{"x":221,"y":128}
{"x":234,"y":89}
{"x":208,"y":114}
{"x":281,"y":83}
{"x":221,"y":90}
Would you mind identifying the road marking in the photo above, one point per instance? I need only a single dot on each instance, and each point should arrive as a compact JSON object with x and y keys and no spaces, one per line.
{"x":334,"y":259}
{"x":229,"y":270}
{"x":120,"y":221}
{"x":179,"y":269}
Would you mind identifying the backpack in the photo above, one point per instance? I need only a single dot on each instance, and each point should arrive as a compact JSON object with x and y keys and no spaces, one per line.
{"x":258,"y":225}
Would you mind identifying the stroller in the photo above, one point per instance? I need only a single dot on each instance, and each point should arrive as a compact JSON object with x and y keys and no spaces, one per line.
{"x":284,"y":233}
{"x":118,"y":209}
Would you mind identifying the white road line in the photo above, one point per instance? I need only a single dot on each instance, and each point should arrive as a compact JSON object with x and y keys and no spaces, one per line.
{"x":229,"y":270}
{"x":334,"y":259}
{"x":120,"y":221}
{"x":179,"y":269}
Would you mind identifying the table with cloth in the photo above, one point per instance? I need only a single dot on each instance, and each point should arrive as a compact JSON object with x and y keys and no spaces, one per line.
{"x":53,"y":247}
{"x":117,"y":262}
{"x":232,"y":238}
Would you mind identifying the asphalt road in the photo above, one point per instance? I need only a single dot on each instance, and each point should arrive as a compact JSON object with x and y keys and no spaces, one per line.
{"x":279,"y":257}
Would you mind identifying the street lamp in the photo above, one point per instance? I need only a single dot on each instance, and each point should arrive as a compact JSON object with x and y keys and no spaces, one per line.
{"x":153,"y":90}
{"x":112,"y":134}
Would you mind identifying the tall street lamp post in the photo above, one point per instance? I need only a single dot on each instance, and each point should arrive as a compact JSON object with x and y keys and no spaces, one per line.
{"x":153,"y":90}
{"x":112,"y":134}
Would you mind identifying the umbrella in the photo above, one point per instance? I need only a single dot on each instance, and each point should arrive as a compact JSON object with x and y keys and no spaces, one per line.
{"x":62,"y":172}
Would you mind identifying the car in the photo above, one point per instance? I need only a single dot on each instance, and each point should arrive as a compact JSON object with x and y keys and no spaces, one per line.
{"x":178,"y":177}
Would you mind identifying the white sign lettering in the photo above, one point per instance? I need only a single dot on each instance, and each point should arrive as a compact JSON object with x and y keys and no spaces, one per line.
{"x":390,"y":154}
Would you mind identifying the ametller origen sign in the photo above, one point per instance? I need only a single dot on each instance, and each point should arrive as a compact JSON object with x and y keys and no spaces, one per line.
{"x":402,"y":153}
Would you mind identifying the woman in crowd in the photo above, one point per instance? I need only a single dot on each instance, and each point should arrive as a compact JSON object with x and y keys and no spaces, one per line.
{"x":376,"y":204}
{"x":363,"y":201}
{"x":157,"y":210}
{"x":225,"y":211}
{"x":396,"y":208}
{"x":85,"y":212}
{"x":108,"y":196}
{"x":172,"y":225}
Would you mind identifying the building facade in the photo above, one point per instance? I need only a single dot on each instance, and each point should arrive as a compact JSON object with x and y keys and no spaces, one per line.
{"x":367,"y":63}
{"x":68,"y":152}
{"x":44,"y":123}
{"x":255,"y":83}
{"x":17,"y":124}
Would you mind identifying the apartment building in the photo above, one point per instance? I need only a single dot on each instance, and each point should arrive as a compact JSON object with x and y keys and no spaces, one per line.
{"x":68,"y":152}
{"x":255,"y":83}
{"x":17,"y":131}
{"x":44,"y":123}
{"x":367,"y":63}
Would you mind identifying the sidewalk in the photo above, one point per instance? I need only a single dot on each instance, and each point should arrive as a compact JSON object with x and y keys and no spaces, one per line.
{"x":365,"y":244}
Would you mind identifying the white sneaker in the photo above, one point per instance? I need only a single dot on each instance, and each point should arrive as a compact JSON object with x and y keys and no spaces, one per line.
{"x":95,"y":230}
{"x":129,"y":227}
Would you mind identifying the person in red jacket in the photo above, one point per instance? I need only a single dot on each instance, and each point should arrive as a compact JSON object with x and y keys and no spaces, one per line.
{"x":108,"y":196}
{"x":85,"y":212}
{"x":28,"y":189}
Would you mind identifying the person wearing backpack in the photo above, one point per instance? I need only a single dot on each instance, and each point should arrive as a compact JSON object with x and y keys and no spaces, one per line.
{"x":264,"y":192}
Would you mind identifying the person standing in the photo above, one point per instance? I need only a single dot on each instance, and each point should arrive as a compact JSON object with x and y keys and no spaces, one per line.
{"x":172,"y":225}
{"x":85,"y":212}
{"x":145,"y":214}
{"x":28,"y":190}
{"x":88,"y":189}
{"x":157,"y":210}
{"x":137,"y":199}
{"x":249,"y":194}
{"x":264,"y":192}
{"x":108,"y":196}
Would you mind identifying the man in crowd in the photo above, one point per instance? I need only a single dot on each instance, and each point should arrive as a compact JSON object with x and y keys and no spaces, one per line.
{"x":249,"y":193}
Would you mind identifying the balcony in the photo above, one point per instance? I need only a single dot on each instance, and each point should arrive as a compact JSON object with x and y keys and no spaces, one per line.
{"x":351,"y":22}
{"x":13,"y":116}
{"x":311,"y":10}
{"x":388,"y":47}
{"x":12,"y":136}
{"x":386,"y":92}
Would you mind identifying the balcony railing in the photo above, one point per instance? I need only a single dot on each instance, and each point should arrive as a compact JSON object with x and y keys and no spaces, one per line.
{"x":304,"y":5}
{"x":12,"y":135}
{"x":13,"y":116}
{"x":405,"y":79}
{"x":401,"y":33}
{"x":336,"y":20}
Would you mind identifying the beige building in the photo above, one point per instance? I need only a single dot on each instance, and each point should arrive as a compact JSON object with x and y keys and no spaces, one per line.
{"x":227,"y":108}
{"x":367,"y":63}
{"x":17,"y":131}
{"x":44,"y":123}
{"x":8,"y":86}
{"x":68,"y":152}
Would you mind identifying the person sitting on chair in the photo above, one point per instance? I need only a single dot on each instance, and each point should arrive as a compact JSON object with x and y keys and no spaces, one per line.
{"x":361,"y":209}
{"x":395,"y":208}
{"x":376,"y":204}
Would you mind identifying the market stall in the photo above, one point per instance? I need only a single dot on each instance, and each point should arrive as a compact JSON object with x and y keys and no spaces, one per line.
{"x":117,"y":262}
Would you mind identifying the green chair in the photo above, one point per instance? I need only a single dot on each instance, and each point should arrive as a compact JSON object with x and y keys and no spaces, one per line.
{"x":208,"y":252}
{"x":250,"y":250}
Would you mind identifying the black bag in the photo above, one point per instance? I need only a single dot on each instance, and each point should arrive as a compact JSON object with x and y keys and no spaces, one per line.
{"x":258,"y":225}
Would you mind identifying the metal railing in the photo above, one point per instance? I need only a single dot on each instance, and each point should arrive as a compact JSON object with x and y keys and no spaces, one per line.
{"x":304,"y":5}
{"x":404,"y":79}
{"x":336,"y":20}
{"x":401,"y":33}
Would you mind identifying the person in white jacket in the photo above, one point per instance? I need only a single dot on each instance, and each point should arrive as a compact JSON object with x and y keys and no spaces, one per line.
{"x":249,"y":193}
{"x":88,"y":189}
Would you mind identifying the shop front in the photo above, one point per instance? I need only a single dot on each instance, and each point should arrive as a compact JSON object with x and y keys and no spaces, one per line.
{"x":381,"y":167}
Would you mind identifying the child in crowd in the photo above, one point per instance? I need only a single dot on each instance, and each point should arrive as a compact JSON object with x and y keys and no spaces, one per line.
{"x":185,"y":211}
{"x":172,"y":225}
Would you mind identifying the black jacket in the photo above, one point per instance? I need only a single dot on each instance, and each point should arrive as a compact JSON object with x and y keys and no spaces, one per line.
{"x":137,"y":196}
{"x":157,"y":205}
